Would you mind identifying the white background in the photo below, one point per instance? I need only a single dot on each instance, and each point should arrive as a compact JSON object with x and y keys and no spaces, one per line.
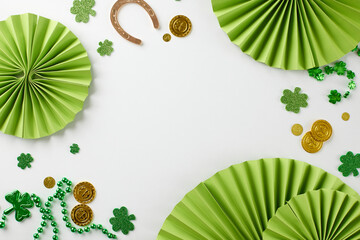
{"x":162,"y":117}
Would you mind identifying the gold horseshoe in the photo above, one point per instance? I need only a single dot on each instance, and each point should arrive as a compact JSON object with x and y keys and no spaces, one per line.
{"x":115,"y":22}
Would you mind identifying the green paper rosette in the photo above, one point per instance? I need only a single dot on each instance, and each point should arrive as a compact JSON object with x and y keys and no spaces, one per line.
{"x":237,"y":203}
{"x":45,"y":74}
{"x":291,"y":34}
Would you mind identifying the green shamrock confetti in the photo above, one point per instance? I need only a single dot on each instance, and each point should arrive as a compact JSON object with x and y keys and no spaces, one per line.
{"x":352,"y":85}
{"x":350,"y":74}
{"x":294,"y":100}
{"x":334,"y":96}
{"x":20,"y":204}
{"x":350,"y":164}
{"x":340,"y":68}
{"x":105,"y":48}
{"x":74,"y":148}
{"x":82,"y":9}
{"x":316,"y":73}
{"x":25,"y":160}
{"x":122,"y":221}
{"x":329,"y":70}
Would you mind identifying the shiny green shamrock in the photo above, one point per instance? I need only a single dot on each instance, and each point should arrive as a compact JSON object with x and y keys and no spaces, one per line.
{"x":25,"y":160}
{"x":20,"y":204}
{"x":350,"y":164}
{"x":340,"y":68}
{"x":352,"y":85}
{"x":294,"y":100}
{"x":350,"y":74}
{"x":329,"y":70}
{"x":105,"y":48}
{"x":82,"y":9}
{"x":122,"y":221}
{"x":316,"y":73}
{"x":334,"y":96}
{"x":74,"y":148}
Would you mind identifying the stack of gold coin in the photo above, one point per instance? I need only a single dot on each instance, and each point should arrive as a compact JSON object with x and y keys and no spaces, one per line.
{"x":84,"y":193}
{"x":313,"y":140}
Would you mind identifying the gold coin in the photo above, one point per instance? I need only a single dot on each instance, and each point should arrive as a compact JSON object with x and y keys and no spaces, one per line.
{"x":345,"y":116}
{"x":49,"y":182}
{"x":297,"y":129}
{"x":310,"y":144}
{"x":321,"y":130}
{"x":82,"y":215}
{"x":84,"y":192}
{"x":180,"y":26}
{"x":167,"y":37}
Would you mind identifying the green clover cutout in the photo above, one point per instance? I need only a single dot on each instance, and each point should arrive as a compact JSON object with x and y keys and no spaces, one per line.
{"x":20,"y":204}
{"x":82,"y":9}
{"x":74,"y":148}
{"x":334,"y":96}
{"x":350,"y":164}
{"x":25,"y":160}
{"x":105,"y":48}
{"x":122,"y":221}
{"x":294,"y":100}
{"x":340,"y":68}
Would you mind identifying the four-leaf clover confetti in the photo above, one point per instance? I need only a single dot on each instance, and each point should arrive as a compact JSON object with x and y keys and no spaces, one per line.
{"x":20,"y":204}
{"x":340,"y":68}
{"x":25,"y":160}
{"x":82,"y":9}
{"x":74,"y":148}
{"x":105,"y":48}
{"x":350,"y":164}
{"x":334,"y":96}
{"x":122,"y":221}
{"x":294,"y":100}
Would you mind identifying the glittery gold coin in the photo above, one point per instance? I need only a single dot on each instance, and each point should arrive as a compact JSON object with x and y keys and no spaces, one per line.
{"x":167,"y":37}
{"x":321,"y":130}
{"x":297,"y":129}
{"x":180,"y":26}
{"x":84,"y":192}
{"x":49,"y":182}
{"x":309,"y":143}
{"x":82,"y":215}
{"x":345,"y":116}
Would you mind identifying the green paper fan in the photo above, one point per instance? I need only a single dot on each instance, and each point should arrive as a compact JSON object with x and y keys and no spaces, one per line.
{"x":45,"y":74}
{"x":319,"y":215}
{"x":291,"y":34}
{"x":237,"y":203}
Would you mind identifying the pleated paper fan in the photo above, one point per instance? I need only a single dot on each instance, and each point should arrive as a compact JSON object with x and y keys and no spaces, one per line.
{"x":320,"y":215}
{"x":45,"y":74}
{"x":291,"y":34}
{"x":237,"y":203}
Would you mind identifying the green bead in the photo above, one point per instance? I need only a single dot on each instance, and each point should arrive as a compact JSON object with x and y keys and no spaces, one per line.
{"x":38,"y":205}
{"x":105,"y":231}
{"x":93,"y":226}
{"x":80,"y":231}
{"x":40,"y":230}
{"x":55,"y":230}
{"x":51,"y":217}
{"x":61,"y":198}
{"x":48,"y":204}
{"x":99,"y":226}
{"x":65,"y":180}
{"x":36,"y":236}
{"x":68,"y":190}
{"x":44,"y":217}
{"x":55,"y":195}
{"x":73,"y":229}
{"x":59,"y":184}
{"x":110,"y":235}
{"x":65,"y":218}
{"x":2,"y":224}
{"x":69,"y":183}
{"x":63,"y":204}
{"x":43,"y":224}
{"x":55,"y":237}
{"x":50,"y":199}
{"x":3,"y":217}
{"x":53,"y":224}
{"x":48,"y":211}
{"x":64,"y":211}
{"x":36,"y":199}
{"x":87,"y":229}
{"x":68,"y":225}
{"x":42,"y":210}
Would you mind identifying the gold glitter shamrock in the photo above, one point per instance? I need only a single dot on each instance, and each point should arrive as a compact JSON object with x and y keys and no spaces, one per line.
{"x":82,"y":9}
{"x":294,"y":100}
{"x":334,"y":96}
{"x":105,"y":48}
{"x":74,"y":148}
{"x":25,"y":160}
{"x":122,"y":221}
{"x":20,"y":204}
{"x":350,"y":164}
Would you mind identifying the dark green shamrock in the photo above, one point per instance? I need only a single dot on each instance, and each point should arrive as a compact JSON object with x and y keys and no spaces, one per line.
{"x":329,"y":70}
{"x":82,"y":9}
{"x":350,"y":164}
{"x":74,"y":148}
{"x":122,"y":221}
{"x":105,"y":48}
{"x":340,"y":68}
{"x":20,"y":204}
{"x":294,"y":100}
{"x":350,"y":74}
{"x":25,"y":160}
{"x":316,"y":73}
{"x":334,"y":96}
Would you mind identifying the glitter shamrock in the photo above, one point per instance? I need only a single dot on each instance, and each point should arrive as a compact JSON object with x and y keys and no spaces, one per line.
{"x":25,"y":160}
{"x":122,"y":221}
{"x":294,"y":100}
{"x":334,"y":96}
{"x":350,"y":164}
{"x":350,"y":74}
{"x":329,"y":70}
{"x":20,"y":204}
{"x":82,"y":9}
{"x":352,"y":85}
{"x":340,"y":68}
{"x":346,"y":95}
{"x":105,"y":48}
{"x":74,"y":148}
{"x":316,"y":73}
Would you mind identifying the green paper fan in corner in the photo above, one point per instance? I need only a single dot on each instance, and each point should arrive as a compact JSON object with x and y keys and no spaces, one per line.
{"x":238,"y":202}
{"x":292,"y":34}
{"x":45,"y":74}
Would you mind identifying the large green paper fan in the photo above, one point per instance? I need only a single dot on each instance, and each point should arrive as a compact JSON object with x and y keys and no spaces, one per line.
{"x":319,"y":215}
{"x":291,"y":34}
{"x":237,"y":203}
{"x":45,"y":74}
